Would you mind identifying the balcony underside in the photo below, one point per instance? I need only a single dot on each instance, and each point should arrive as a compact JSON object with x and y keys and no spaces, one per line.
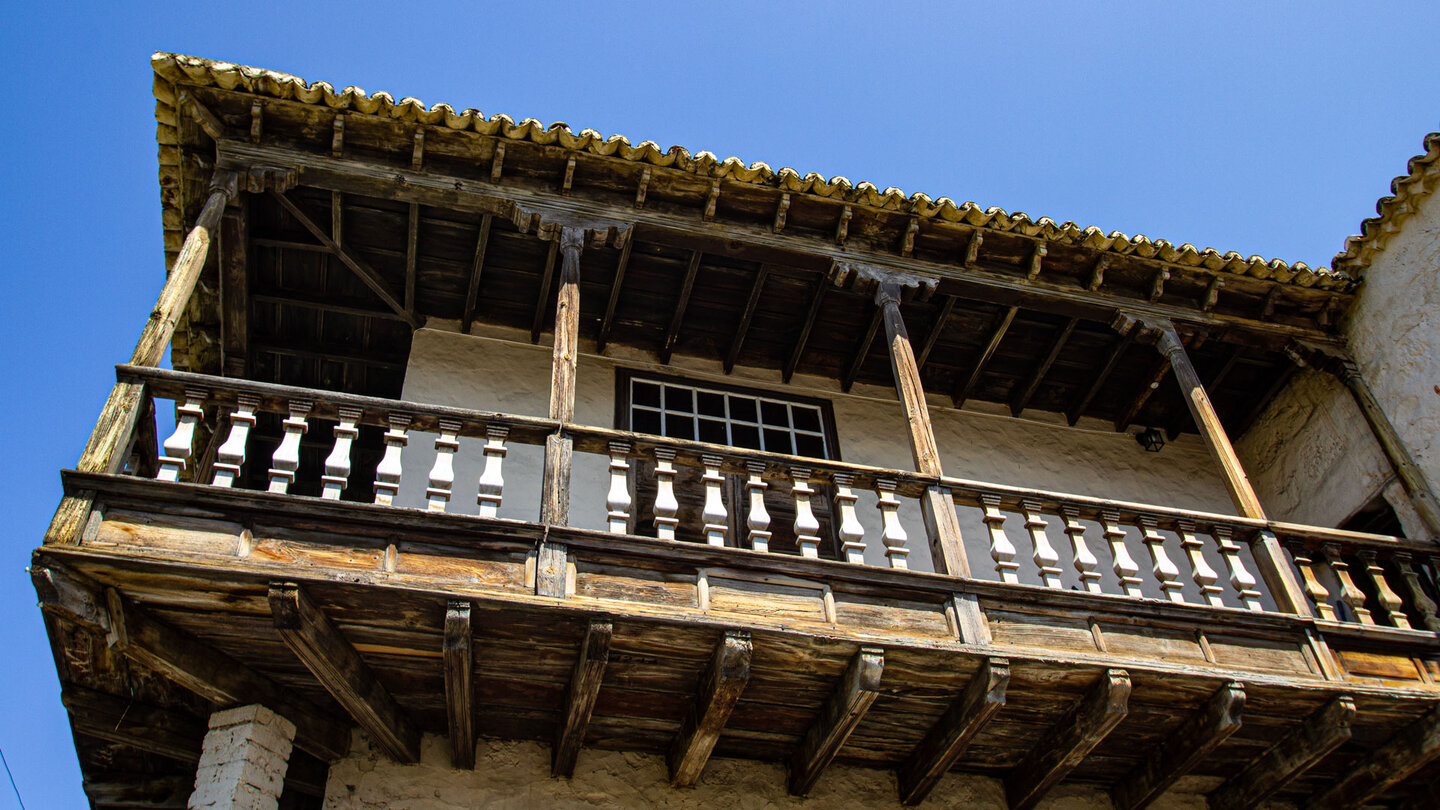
{"x":201,"y":560}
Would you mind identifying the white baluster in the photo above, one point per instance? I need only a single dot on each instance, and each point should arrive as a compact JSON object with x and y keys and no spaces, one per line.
{"x":1241,"y":579}
{"x":1384,"y":594}
{"x":758,"y":521}
{"x":1200,"y":569}
{"x":1085,"y":561}
{"x":714,"y":516}
{"x":1002,"y":551}
{"x":287,"y":456}
{"x":1046,"y":558}
{"x":442,"y":473}
{"x":1350,"y":593}
{"x":177,"y":448}
{"x":852,"y":534}
{"x":337,"y":464}
{"x":491,"y":486}
{"x":387,"y":473}
{"x":1165,"y":570}
{"x":892,"y":534}
{"x":666,"y":507}
{"x":1125,"y":566}
{"x":617,"y":502}
{"x":231,"y":455}
{"x":807,"y":528}
{"x":1410,"y":582}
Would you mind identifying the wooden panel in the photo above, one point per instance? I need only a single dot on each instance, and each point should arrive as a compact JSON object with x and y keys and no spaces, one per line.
{"x":303,"y":555}
{"x":469,"y":565}
{"x":1045,"y":632}
{"x":766,"y":600}
{"x":1382,"y":667}
{"x":1153,"y":642}
{"x":1258,"y":654}
{"x":892,"y":616}
{"x":633,"y":585}
{"x":172,"y":533}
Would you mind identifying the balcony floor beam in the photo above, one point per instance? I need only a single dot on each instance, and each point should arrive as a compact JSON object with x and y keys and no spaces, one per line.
{"x":1186,"y":748}
{"x":947,"y":740}
{"x":725,"y":678}
{"x":1299,"y":751}
{"x":580,"y":696}
{"x":842,"y":712}
{"x":1067,"y":744}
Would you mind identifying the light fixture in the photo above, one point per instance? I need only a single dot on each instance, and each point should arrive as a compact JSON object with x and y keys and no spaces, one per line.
{"x":1150,"y":439}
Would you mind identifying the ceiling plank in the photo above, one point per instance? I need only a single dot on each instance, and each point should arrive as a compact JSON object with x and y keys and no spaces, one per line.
{"x":1299,"y":751}
{"x":672,"y":335}
{"x":738,"y":342}
{"x":964,"y":389}
{"x":1038,"y":375}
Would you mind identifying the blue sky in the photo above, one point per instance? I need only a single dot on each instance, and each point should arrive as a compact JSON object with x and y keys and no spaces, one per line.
{"x":1265,"y":128}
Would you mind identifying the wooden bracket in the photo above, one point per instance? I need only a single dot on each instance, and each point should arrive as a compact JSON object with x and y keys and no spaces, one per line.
{"x":208,"y":121}
{"x":720,"y":687}
{"x":842,"y":712}
{"x":1186,"y":748}
{"x":580,"y":696}
{"x":842,"y":225}
{"x":459,"y":684}
{"x":1067,"y":744}
{"x":952,"y":733}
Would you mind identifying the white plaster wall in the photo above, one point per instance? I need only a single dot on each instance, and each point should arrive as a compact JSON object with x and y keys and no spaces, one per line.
{"x":502,"y":371}
{"x":516,"y":776}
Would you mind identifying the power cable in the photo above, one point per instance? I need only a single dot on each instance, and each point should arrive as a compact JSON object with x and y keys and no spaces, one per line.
{"x":13,"y":786}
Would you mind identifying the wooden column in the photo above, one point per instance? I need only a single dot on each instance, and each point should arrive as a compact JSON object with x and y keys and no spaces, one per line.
{"x":106,"y":450}
{"x":560,"y":448}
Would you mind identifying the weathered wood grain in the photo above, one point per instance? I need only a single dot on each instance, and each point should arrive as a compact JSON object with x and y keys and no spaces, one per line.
{"x":1319,"y":734}
{"x":580,"y":696}
{"x":720,"y":687}
{"x":1201,"y":734}
{"x":946,"y":741}
{"x":459,"y":684}
{"x":842,"y":712}
{"x":966,"y":386}
{"x":158,"y":793}
{"x":1416,"y":746}
{"x":1070,"y":740}
{"x":152,"y":729}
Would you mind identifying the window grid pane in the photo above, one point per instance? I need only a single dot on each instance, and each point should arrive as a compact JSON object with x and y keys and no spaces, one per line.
{"x":768,"y":423}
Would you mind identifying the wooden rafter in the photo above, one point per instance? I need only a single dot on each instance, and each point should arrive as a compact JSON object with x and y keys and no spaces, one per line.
{"x":965,"y":388}
{"x":948,"y":738}
{"x":1159,"y":370}
{"x":946,"y":308}
{"x":1184,"y":749}
{"x":340,"y":669}
{"x":234,"y":290}
{"x":720,"y":687}
{"x":863,"y":350}
{"x":129,"y":722}
{"x":672,"y":334}
{"x":798,"y":351}
{"x":1296,"y":753}
{"x":608,"y":321}
{"x":580,"y":696}
{"x":477,"y":268}
{"x":738,"y":342}
{"x":1067,"y":744}
{"x":1213,"y":381}
{"x":154,"y":793}
{"x":542,"y":302}
{"x":1022,"y":400}
{"x":846,"y":707}
{"x":459,"y":685}
{"x":1117,"y":350}
{"x":412,"y":256}
{"x":1416,"y":746}
{"x":327,"y":305}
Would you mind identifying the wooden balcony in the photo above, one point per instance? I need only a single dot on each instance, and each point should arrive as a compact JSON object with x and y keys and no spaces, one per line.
{"x":1114,"y":644}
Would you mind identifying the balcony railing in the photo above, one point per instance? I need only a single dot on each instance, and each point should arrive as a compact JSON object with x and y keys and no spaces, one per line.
{"x":1109,"y":547}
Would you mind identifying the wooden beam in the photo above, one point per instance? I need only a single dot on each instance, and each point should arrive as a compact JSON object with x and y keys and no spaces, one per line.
{"x":128,"y":722}
{"x":125,"y":791}
{"x":542,"y":300}
{"x":1282,"y":379}
{"x":608,"y":321}
{"x":1038,"y":375}
{"x":328,"y":355}
{"x":412,"y":256}
{"x":738,"y":342}
{"x":340,"y":669}
{"x":686,"y":287}
{"x":459,"y":684}
{"x":1416,"y":746}
{"x":580,"y":696}
{"x":1184,"y":749}
{"x":720,"y":687}
{"x":857,"y":689}
{"x":798,"y":351}
{"x":952,"y":733}
{"x":477,"y":267}
{"x":209,"y":122}
{"x":356,"y":265}
{"x":1148,"y":385}
{"x":328,"y":305}
{"x":1212,"y":381}
{"x":234,"y":290}
{"x":863,"y":350}
{"x":1320,"y":733}
{"x":1122,"y":343}
{"x":939,"y":326}
{"x":1067,"y":744}
{"x":964,"y":389}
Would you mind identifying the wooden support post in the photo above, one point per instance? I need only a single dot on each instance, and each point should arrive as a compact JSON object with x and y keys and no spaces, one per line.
{"x":477,"y":267}
{"x":608,"y":321}
{"x":1212,"y":382}
{"x":1072,"y":739}
{"x":842,"y":712}
{"x":559,"y":447}
{"x":459,"y":684}
{"x":793,"y":361}
{"x":1416,"y":746}
{"x":1187,"y":747}
{"x":147,"y":728}
{"x":339,"y":668}
{"x":720,"y":688}
{"x":966,"y":387}
{"x":580,"y":696}
{"x":1320,"y":733}
{"x":1038,"y":375}
{"x":947,"y":739}
{"x":672,"y":334}
{"x":746,"y":317}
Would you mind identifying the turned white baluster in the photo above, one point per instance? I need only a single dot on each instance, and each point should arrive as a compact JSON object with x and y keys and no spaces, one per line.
{"x":387,"y":473}
{"x":714,"y":516}
{"x":177,"y":448}
{"x":442,"y":473}
{"x":1350,"y":593}
{"x":1410,"y":582}
{"x":1384,"y":594}
{"x":1241,"y":579}
{"x":852,"y":534}
{"x":807,"y":528}
{"x":1200,"y":569}
{"x":1085,"y":561}
{"x":1126,"y":569}
{"x":287,"y":456}
{"x":1002,"y":551}
{"x":1165,"y":569}
{"x":617,"y":502}
{"x":892,"y":533}
{"x":1046,"y":558}
{"x":1310,"y":578}
{"x":757,"y":522}
{"x":337,"y":464}
{"x":231,"y":455}
{"x":667,"y":508}
{"x":491,"y":487}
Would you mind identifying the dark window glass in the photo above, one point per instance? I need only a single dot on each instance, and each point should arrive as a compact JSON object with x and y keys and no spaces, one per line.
{"x":806,"y":418}
{"x":712,"y":404}
{"x":812,"y":446}
{"x":742,"y":409}
{"x":679,"y":399}
{"x":775,"y":415}
{"x":778,"y":441}
{"x":646,"y":394}
{"x":745,"y":436}
{"x":713,"y":431}
{"x":645,"y":422}
{"x":679,"y":427}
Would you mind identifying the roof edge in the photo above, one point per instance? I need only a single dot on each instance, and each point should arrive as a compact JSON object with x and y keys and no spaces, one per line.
{"x":1406,"y":193}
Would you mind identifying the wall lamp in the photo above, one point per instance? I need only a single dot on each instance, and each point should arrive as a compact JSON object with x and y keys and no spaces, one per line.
{"x":1150,"y":439}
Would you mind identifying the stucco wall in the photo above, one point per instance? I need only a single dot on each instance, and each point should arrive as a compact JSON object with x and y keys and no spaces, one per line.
{"x":503,"y":371}
{"x":517,"y":775}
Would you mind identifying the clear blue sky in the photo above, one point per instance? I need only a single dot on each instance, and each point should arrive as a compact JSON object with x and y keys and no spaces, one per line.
{"x":1265,"y":128}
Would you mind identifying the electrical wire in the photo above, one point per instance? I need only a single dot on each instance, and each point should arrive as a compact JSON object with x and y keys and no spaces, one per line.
{"x":13,"y":786}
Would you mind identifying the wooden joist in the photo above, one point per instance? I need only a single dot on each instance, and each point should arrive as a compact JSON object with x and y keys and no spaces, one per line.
{"x":1159,"y":370}
{"x":1117,"y":350}
{"x":948,"y":738}
{"x":842,"y":712}
{"x":1067,"y":744}
{"x":720,"y":687}
{"x":412,"y":256}
{"x":966,"y":387}
{"x":798,"y":351}
{"x":1022,"y":400}
{"x":608,"y":321}
{"x":1199,"y":735}
{"x":152,"y":729}
{"x":124,"y":790}
{"x":477,"y":268}
{"x":863,"y":350}
{"x":1416,"y":746}
{"x":1320,"y":733}
{"x":459,"y":684}
{"x":542,"y":300}
{"x":672,"y":334}
{"x":580,"y":696}
{"x":1212,"y":380}
{"x":339,"y":668}
{"x":939,"y":326}
{"x":234,"y":289}
{"x":326,"y":305}
{"x":738,"y":342}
